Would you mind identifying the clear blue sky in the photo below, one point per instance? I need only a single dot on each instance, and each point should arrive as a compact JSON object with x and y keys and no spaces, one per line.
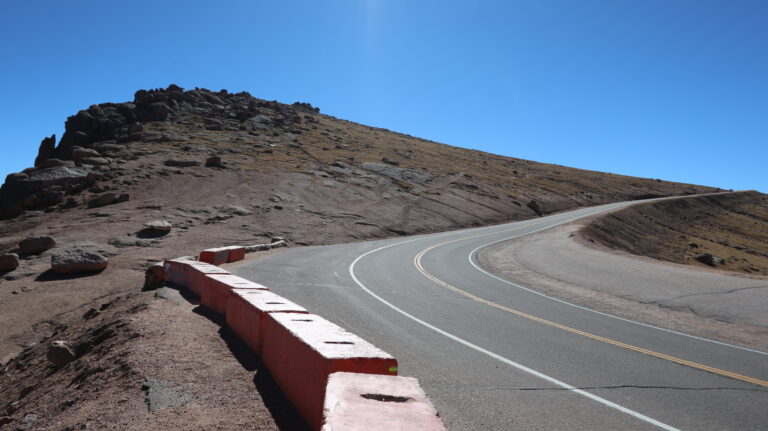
{"x":670,"y":89}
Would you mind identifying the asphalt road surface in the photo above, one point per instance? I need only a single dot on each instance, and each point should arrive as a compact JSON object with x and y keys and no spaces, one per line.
{"x":493,"y":355}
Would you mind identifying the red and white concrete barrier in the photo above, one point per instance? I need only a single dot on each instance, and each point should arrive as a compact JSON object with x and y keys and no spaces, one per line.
{"x":247,"y":311}
{"x":355,"y":402}
{"x":302,"y":350}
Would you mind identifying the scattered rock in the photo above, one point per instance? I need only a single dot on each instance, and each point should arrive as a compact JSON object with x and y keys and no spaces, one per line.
{"x":9,"y":262}
{"x":37,"y":245}
{"x":693,"y":245}
{"x":5,"y":420}
{"x":107,"y":199}
{"x":159,"y":225}
{"x":214,"y":162}
{"x":284,"y":198}
{"x":27,"y":422}
{"x":181,"y":163}
{"x":390,"y":161}
{"x":237,"y":210}
{"x":709,"y":259}
{"x":128,"y":241}
{"x":77,"y":260}
{"x":154,"y":276}
{"x":60,"y":353}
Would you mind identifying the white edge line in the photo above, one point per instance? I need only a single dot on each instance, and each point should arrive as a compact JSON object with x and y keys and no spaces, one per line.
{"x":474,"y":252}
{"x":499,"y":357}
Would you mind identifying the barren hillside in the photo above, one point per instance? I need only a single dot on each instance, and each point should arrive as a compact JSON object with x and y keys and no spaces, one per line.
{"x":221,"y":168}
{"x":726,"y":231}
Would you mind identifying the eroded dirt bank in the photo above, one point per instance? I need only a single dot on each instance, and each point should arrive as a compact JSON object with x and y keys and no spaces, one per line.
{"x":726,"y":231}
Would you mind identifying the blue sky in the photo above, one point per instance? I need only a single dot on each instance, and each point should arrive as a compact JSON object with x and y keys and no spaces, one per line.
{"x":676,"y":89}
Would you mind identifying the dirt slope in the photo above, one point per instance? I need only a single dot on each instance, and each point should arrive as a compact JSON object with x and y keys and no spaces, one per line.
{"x":286,"y":170}
{"x":731,"y":226}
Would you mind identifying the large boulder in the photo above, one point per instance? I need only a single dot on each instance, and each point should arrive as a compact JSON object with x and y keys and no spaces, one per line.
{"x":9,"y":261}
{"x":77,"y":260}
{"x":160,"y":226}
{"x":37,"y":245}
{"x":19,"y":187}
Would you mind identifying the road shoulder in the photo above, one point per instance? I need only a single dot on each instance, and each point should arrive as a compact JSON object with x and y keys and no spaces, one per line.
{"x":715,"y":306}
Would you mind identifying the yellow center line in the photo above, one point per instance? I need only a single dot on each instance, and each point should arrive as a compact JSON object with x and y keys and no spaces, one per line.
{"x":420,"y":268}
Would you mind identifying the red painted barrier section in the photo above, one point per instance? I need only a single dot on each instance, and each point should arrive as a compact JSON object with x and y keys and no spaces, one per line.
{"x":217,"y":290}
{"x":196,"y":273}
{"x":176,"y":271}
{"x":246,"y":313}
{"x":214,"y":256}
{"x":355,"y":402}
{"x":236,"y":254}
{"x":220,"y":255}
{"x":301,"y":351}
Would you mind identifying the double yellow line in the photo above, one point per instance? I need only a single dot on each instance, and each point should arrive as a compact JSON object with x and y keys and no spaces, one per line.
{"x":420,"y":268}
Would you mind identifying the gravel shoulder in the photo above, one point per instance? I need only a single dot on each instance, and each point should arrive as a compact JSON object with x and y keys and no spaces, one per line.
{"x":724,"y":307}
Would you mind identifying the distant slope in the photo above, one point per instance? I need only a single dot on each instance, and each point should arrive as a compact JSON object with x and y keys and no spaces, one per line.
{"x":349,"y":180}
{"x":730,"y":226}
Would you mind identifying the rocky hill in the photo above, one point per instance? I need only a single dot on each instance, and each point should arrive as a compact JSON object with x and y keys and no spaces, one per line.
{"x":725,"y":231}
{"x":173,"y":172}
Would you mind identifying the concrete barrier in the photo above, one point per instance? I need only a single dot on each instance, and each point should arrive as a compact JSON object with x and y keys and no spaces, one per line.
{"x":196,"y":276}
{"x":369,"y":402}
{"x":301,"y":351}
{"x":236,"y":254}
{"x":220,"y":255}
{"x":246,"y":313}
{"x":216,"y":290}
{"x":176,"y":270}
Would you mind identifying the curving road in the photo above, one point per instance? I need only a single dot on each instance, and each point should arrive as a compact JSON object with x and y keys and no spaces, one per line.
{"x":494,"y":355}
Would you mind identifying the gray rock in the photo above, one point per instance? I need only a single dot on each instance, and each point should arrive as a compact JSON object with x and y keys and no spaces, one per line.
{"x":77,"y":260}
{"x":237,"y":210}
{"x":284,"y":198}
{"x":20,"y":186}
{"x":37,"y":245}
{"x":52,"y":163}
{"x":709,"y":259}
{"x":159,"y":225}
{"x":27,"y":422}
{"x":181,"y":163}
{"x":79,"y":153}
{"x":128,"y":241}
{"x":162,"y":394}
{"x":9,"y":261}
{"x":396,"y":173}
{"x":60,"y":353}
{"x":95,"y":161}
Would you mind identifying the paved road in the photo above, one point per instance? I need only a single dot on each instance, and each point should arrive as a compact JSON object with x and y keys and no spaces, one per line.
{"x":494,"y":356}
